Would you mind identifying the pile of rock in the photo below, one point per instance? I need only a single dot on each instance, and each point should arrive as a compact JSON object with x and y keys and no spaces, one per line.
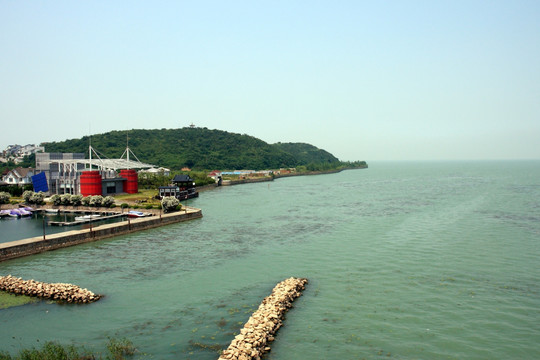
{"x":254,"y":339}
{"x":57,"y":291}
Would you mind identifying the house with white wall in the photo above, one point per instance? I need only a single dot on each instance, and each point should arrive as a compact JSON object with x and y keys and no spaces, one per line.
{"x":19,"y":176}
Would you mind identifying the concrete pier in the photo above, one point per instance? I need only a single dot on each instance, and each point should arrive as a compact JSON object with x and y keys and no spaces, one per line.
{"x":38,"y":244}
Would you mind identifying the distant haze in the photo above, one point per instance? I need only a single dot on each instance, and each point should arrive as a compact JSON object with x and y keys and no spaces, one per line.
{"x":364,"y":80}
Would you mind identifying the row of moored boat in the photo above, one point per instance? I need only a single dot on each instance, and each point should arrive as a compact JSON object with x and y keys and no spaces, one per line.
{"x":17,"y":213}
{"x":28,"y":211}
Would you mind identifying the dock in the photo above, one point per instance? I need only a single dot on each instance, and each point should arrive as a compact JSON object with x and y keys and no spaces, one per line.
{"x":86,"y":221}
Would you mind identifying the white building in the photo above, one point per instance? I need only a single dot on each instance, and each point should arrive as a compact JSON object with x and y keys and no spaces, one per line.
{"x":19,"y":176}
{"x":16,"y":153}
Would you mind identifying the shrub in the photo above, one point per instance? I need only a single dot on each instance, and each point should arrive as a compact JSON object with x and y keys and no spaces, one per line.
{"x":108,"y":201}
{"x":65,"y":199}
{"x":124,"y":205}
{"x":76,"y":200}
{"x":31,"y":197}
{"x":27,"y":195}
{"x":56,"y":200}
{"x":37,"y":198}
{"x":169,"y":203}
{"x":86,"y":200}
{"x":4,"y":197}
{"x":149,"y":206}
{"x":96,"y":200}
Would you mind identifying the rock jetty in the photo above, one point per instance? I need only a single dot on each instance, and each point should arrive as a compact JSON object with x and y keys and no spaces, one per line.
{"x":57,"y":291}
{"x":258,"y":332}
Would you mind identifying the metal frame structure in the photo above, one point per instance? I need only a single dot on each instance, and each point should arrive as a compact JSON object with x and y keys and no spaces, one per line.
{"x":67,"y":178}
{"x":105,"y":164}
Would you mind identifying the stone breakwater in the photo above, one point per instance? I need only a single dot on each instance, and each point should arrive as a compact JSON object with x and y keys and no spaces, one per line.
{"x":56,"y":291}
{"x":254,"y":339}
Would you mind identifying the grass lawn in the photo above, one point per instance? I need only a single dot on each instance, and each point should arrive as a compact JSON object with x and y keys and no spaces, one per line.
{"x":143,"y":194}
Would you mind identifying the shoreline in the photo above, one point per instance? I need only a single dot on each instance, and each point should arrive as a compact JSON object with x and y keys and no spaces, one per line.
{"x":279,"y":176}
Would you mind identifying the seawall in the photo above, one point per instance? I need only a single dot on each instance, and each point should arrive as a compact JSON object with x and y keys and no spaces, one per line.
{"x":38,"y":244}
{"x":246,"y":181}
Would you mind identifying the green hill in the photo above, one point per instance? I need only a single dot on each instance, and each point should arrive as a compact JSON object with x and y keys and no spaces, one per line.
{"x":198,"y":148}
{"x":306,"y":153}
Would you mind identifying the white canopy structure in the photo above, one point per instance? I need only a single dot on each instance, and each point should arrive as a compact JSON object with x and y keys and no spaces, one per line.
{"x":102,"y":163}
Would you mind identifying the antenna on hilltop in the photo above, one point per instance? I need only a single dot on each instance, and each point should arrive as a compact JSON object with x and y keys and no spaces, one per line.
{"x":90,"y":145}
{"x":127,"y":148}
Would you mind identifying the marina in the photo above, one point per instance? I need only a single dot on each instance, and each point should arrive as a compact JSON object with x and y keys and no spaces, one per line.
{"x":38,"y":244}
{"x":44,"y":221}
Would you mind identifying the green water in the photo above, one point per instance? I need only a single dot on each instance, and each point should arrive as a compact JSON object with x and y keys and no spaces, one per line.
{"x":12,"y":229}
{"x":405,"y":261}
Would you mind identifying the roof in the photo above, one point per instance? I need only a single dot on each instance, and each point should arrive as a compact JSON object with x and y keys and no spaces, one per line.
{"x":21,"y":172}
{"x":114,"y":164}
{"x":156,"y":170}
{"x":182,"y":178}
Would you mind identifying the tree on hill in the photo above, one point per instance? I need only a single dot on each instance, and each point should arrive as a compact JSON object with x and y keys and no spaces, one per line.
{"x":307,"y":153}
{"x":198,"y":149}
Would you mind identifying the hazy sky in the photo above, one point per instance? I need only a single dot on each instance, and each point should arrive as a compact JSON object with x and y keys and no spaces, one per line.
{"x":365,"y":80}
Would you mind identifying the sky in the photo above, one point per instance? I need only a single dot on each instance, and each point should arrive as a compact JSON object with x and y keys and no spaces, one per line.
{"x":364,"y":80}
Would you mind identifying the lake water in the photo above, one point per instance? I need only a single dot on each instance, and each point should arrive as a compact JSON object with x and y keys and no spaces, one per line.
{"x":405,"y":261}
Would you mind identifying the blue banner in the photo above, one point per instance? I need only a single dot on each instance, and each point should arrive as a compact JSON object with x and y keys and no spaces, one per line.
{"x":40,"y":182}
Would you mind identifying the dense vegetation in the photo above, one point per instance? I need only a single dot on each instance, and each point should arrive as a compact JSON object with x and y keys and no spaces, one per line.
{"x":199,"y":149}
{"x":117,"y":349}
{"x":307,"y":154}
{"x":152,"y":181}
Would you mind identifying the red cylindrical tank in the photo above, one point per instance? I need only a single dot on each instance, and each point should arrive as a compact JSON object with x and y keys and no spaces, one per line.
{"x":91,"y":183}
{"x":131,"y":185}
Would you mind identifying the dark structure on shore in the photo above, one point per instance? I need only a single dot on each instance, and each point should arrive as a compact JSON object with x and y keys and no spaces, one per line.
{"x":182,"y":188}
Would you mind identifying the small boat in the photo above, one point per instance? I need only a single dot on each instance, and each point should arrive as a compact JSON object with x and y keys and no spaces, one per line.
{"x":86,"y":217}
{"x":136,"y":214}
{"x":51,"y":211}
{"x":14,"y":213}
{"x":24,"y":212}
{"x":19,"y":212}
{"x":4,"y":213}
